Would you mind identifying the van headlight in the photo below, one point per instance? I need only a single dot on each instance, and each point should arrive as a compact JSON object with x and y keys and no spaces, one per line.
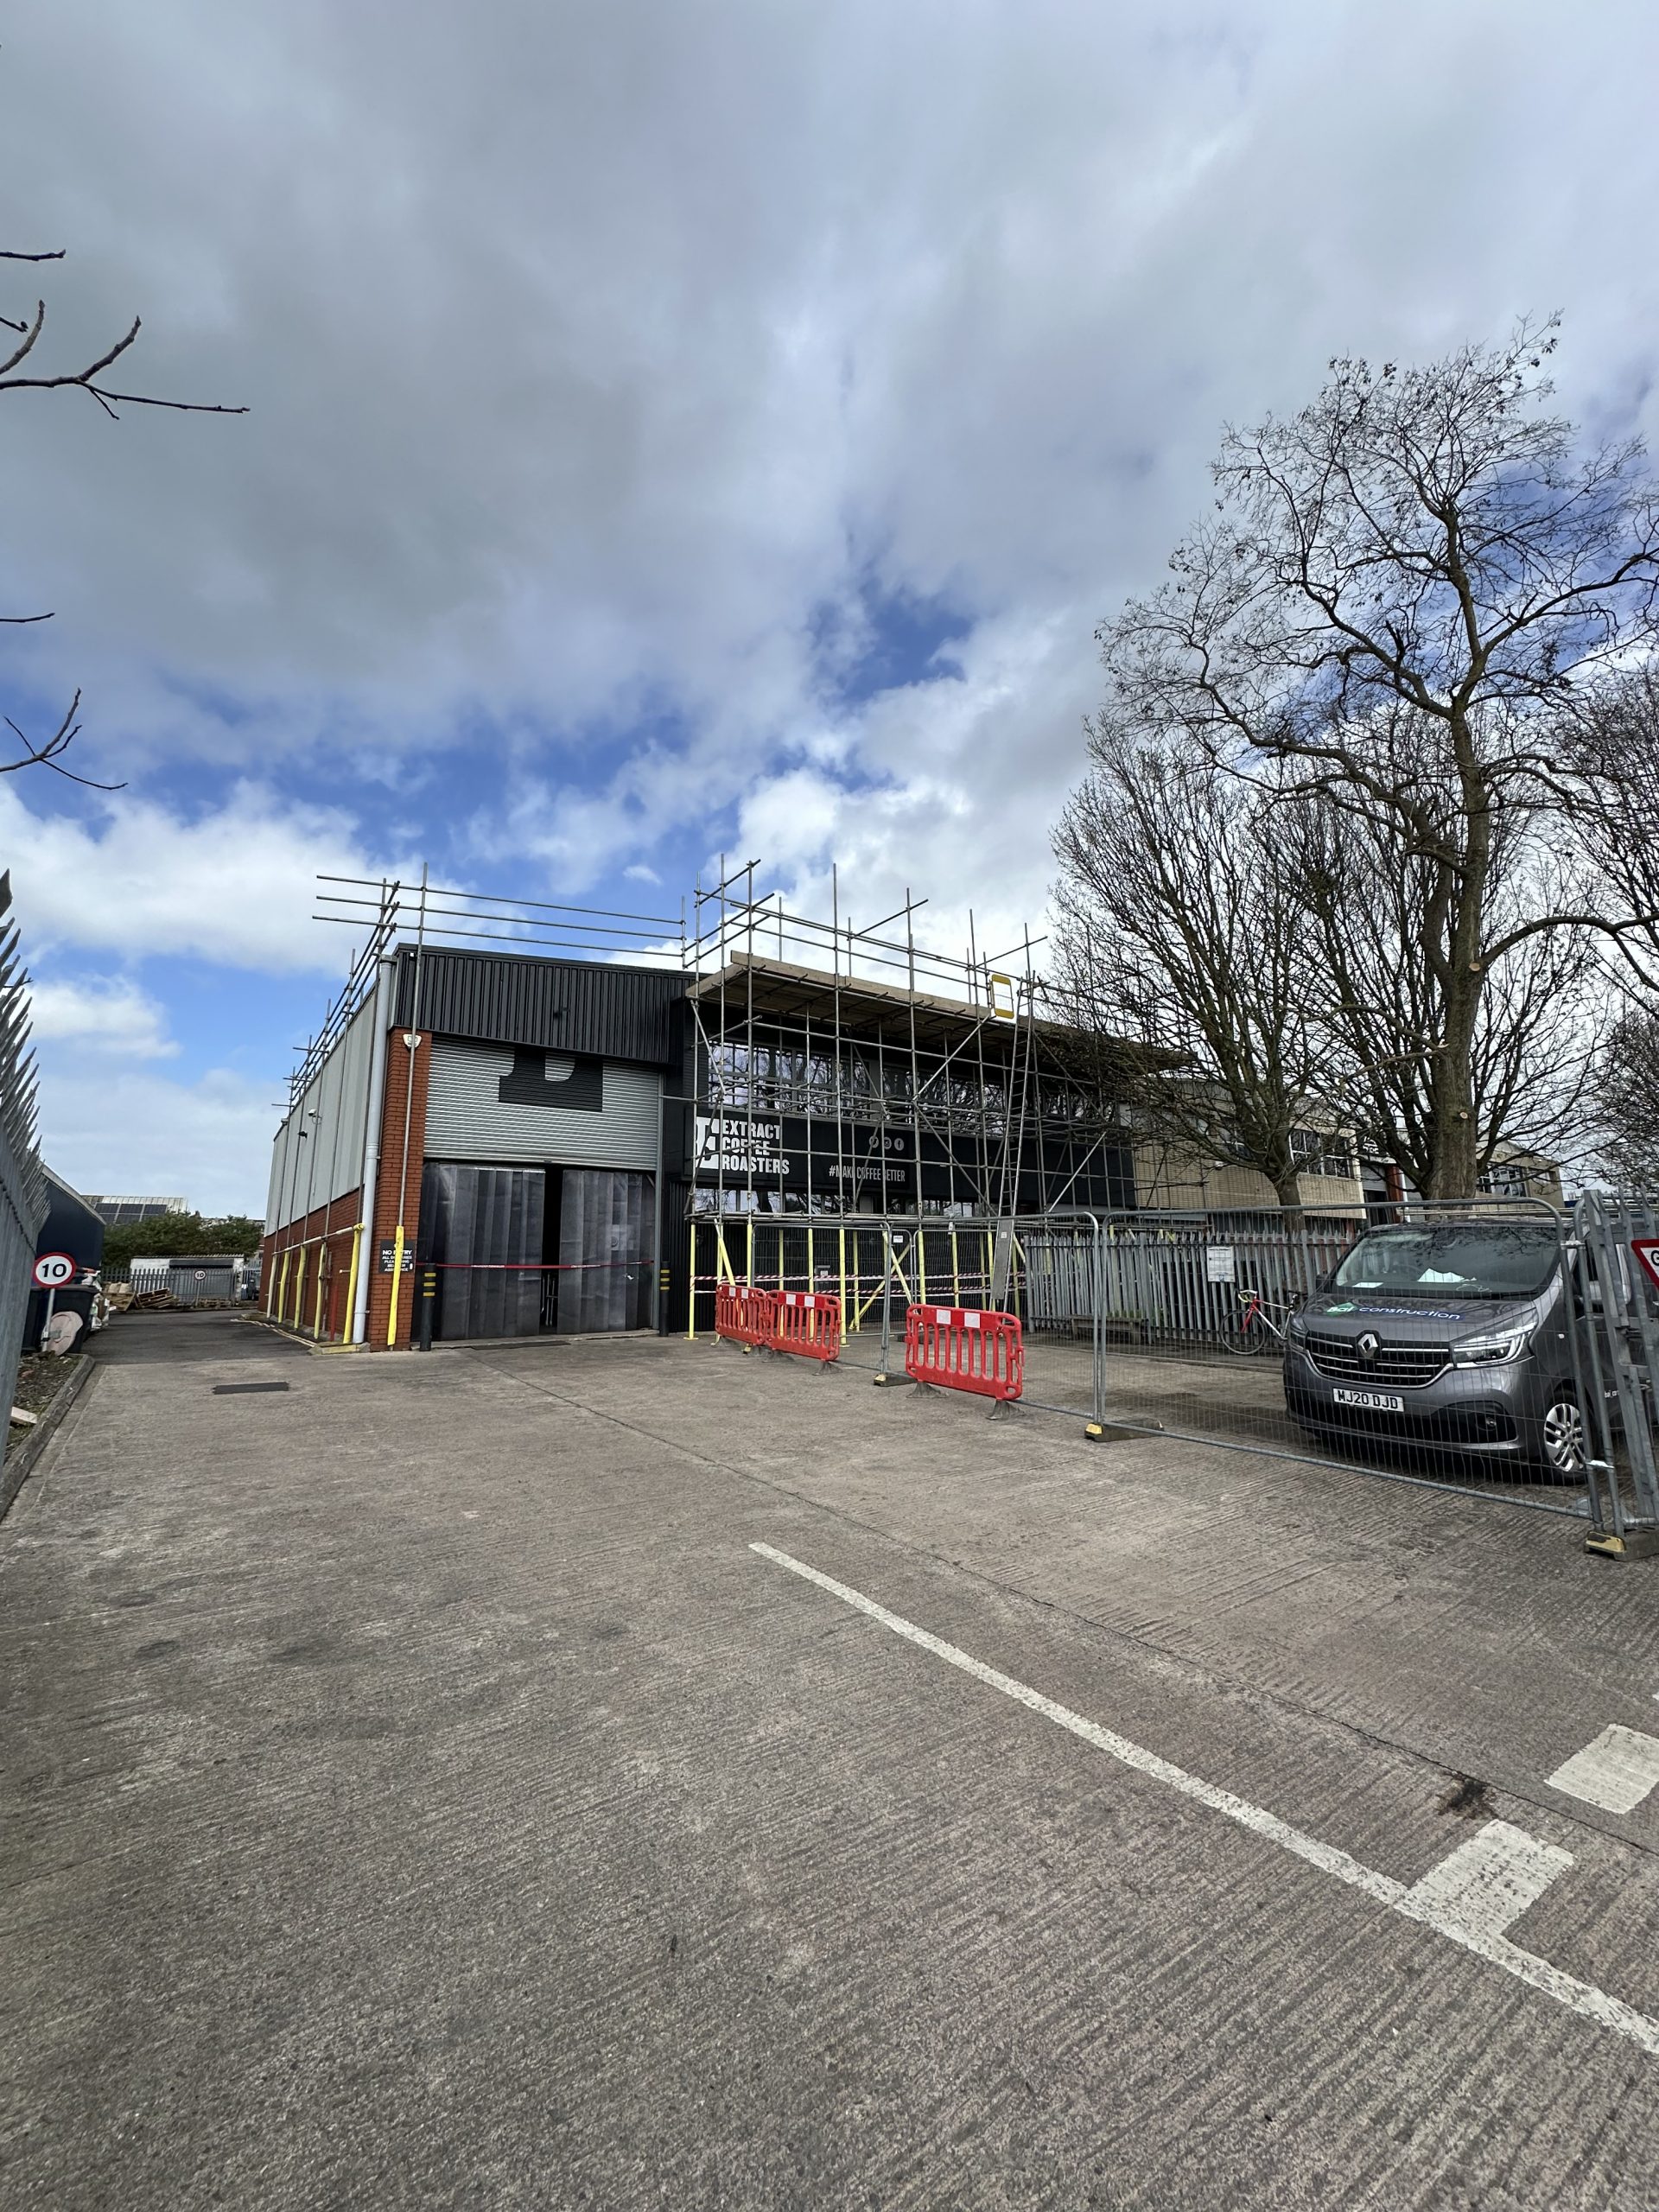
{"x":1296,"y":1330}
{"x":1490,"y":1350}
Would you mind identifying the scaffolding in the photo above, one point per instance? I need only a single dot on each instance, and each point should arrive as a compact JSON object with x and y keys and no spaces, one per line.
{"x":825,"y":1069}
{"x":898,"y":1067}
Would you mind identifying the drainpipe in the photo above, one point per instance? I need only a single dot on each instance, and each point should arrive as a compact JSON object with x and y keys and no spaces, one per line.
{"x":378,"y":1047}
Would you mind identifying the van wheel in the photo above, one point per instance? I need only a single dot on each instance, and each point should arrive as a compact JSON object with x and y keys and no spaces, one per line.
{"x":1562,"y":1439}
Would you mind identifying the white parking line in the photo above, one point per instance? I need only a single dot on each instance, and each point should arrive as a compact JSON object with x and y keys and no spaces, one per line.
{"x":1490,"y":1880}
{"x":1447,"y":1909}
{"x":1616,"y":1772}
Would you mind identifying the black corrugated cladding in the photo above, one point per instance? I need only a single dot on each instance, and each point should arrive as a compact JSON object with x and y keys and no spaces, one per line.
{"x":563,"y":1006}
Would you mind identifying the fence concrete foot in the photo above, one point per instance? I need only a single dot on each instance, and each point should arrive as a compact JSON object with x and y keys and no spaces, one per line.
{"x":1634,"y":1543}
{"x":893,"y":1382}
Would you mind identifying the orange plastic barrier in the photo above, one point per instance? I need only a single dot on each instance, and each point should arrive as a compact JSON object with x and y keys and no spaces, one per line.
{"x":809,"y":1322}
{"x":961,"y":1350}
{"x":745,"y":1315}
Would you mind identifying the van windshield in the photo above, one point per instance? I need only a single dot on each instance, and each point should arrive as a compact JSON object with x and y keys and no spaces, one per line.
{"x":1465,"y":1259}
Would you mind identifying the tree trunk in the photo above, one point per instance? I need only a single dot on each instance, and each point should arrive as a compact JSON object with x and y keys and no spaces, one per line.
{"x":1289,"y":1188}
{"x":1456,"y":1133}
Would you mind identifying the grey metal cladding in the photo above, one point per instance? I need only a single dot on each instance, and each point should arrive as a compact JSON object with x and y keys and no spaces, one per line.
{"x":540,"y":1079}
{"x":466,"y":1117}
{"x":589,"y":1006}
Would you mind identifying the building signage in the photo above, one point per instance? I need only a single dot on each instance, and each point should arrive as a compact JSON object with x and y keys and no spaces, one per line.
{"x":736,"y":1147}
{"x":389,"y":1254}
{"x":771,"y":1153}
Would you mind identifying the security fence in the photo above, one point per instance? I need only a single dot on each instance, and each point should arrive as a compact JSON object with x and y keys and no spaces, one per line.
{"x":1493,"y":1348}
{"x":23,"y":1180}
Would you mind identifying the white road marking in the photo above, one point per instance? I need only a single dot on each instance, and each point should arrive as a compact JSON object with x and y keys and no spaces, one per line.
{"x":1419,"y":1903}
{"x":1616,"y":1772}
{"x":1490,"y":1880}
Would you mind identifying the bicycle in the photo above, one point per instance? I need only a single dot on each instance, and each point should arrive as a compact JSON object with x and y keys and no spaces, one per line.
{"x":1256,"y":1331}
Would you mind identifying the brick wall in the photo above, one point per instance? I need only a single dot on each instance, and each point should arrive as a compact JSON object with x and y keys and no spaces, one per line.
{"x":400,"y":1058}
{"x":318,"y":1244}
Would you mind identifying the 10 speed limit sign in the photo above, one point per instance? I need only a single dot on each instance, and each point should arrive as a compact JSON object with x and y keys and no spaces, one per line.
{"x":54,"y":1269}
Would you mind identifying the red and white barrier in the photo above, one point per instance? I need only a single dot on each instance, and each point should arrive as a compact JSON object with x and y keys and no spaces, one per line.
{"x":958,"y":1349}
{"x":808,"y":1322}
{"x":744,"y":1314}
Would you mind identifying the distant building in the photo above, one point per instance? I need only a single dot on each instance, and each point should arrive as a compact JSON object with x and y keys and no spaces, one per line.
{"x":114,"y":1213}
{"x":1515,"y":1173}
{"x":73,"y":1230}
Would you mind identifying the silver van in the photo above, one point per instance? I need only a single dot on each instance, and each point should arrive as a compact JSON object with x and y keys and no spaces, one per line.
{"x":1453,"y":1335}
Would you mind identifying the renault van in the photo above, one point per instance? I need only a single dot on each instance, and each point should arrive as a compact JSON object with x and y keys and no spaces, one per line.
{"x":1453,"y":1335}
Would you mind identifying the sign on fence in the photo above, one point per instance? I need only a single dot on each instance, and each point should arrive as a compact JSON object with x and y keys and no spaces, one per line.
{"x":1220,"y":1263}
{"x":1646,"y":1249}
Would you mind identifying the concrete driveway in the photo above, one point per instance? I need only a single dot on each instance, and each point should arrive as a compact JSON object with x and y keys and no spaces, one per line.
{"x":628,"y":1773}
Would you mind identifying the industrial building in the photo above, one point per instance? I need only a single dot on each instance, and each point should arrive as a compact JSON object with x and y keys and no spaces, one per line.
{"x":525,"y":1108}
{"x":116,"y":1212}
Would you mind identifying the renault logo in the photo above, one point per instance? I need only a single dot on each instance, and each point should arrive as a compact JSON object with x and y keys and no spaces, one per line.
{"x":1366,"y":1346}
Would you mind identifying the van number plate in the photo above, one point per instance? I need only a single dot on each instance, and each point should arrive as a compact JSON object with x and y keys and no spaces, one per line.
{"x":1374,"y":1401}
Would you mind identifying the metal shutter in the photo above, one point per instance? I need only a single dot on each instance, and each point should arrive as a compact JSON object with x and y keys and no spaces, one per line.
{"x":467,"y":1118}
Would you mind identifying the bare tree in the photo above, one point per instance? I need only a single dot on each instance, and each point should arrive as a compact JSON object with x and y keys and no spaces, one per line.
{"x":1428,"y":540}
{"x":1610,"y":739}
{"x":18,"y":373}
{"x":1378,"y":926}
{"x":1180,"y":925}
{"x":1627,"y":1098}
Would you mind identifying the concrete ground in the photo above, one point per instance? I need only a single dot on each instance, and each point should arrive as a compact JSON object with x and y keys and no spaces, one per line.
{"x":418,"y":1791}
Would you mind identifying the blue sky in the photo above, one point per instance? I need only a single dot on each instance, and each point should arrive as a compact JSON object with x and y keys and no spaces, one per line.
{"x":675,"y":431}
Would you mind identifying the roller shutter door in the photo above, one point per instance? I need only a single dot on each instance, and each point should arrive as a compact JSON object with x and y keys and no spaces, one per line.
{"x":614,"y":1121}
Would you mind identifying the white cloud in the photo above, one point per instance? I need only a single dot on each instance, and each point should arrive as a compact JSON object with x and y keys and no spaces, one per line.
{"x":136,"y":1131}
{"x":117,"y":1020}
{"x":236,"y":883}
{"x":590,"y":360}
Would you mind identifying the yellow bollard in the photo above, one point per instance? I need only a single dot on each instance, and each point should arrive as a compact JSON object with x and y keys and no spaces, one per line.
{"x":351,"y":1281}
{"x":396,"y":1284}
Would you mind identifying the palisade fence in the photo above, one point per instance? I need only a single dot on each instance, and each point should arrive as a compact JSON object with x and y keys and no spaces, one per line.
{"x":1177,"y":1324}
{"x":23,"y":1180}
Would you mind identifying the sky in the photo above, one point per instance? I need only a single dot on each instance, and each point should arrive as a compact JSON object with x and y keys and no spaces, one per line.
{"x":676,"y":430}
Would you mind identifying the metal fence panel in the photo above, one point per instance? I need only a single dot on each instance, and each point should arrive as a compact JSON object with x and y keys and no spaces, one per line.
{"x":22,"y":1181}
{"x":1493,"y":1348}
{"x":1618,"y":1352}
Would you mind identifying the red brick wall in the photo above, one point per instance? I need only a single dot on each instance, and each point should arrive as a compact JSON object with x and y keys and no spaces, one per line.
{"x":332,"y":1224}
{"x":398,"y":1088}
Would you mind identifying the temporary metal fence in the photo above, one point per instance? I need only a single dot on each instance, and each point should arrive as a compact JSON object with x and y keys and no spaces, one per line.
{"x":22,"y":1178}
{"x":1241,"y":1334}
{"x":1615,"y":1245}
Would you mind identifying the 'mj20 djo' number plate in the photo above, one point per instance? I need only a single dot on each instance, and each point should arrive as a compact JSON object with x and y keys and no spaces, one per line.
{"x":1370,"y":1401}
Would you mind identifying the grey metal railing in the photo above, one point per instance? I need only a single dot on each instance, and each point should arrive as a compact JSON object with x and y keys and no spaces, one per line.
{"x":23,"y":1179}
